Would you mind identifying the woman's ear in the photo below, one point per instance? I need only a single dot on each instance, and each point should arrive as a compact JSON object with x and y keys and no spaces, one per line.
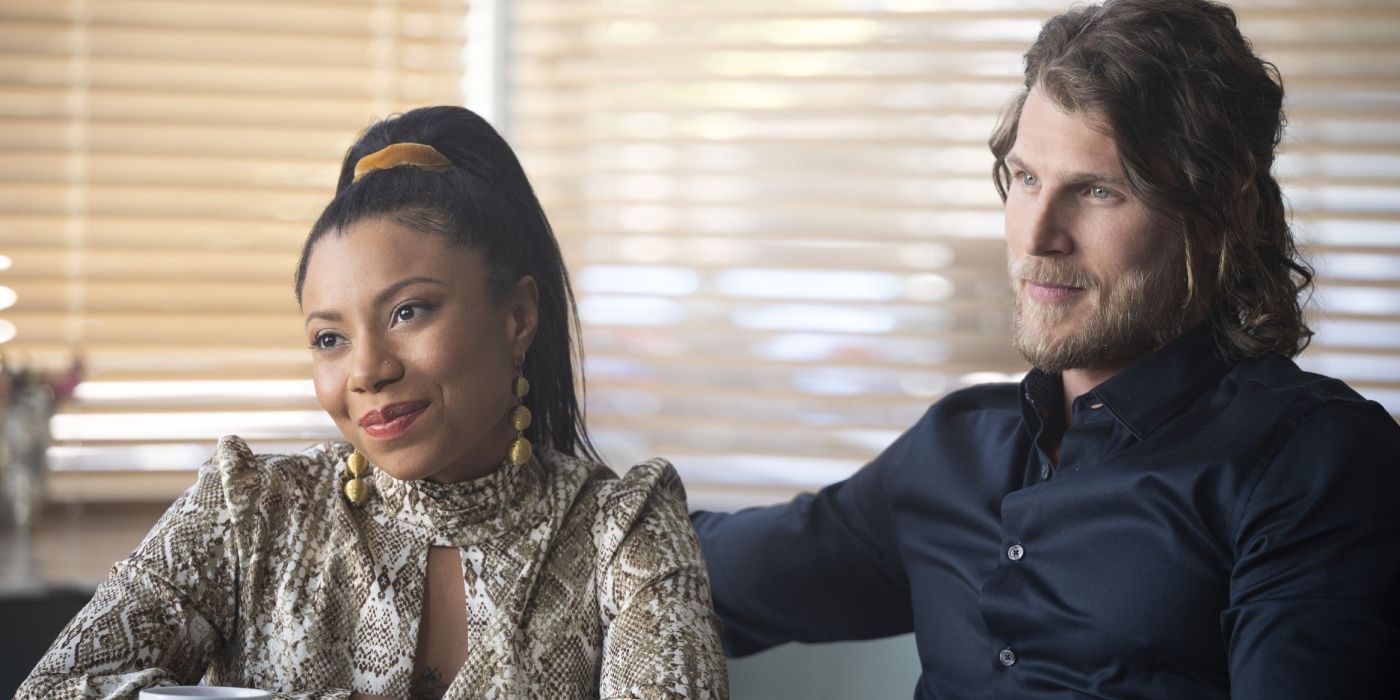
{"x":522,"y":315}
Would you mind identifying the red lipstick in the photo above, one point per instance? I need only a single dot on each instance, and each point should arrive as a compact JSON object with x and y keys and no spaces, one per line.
{"x":393,"y":420}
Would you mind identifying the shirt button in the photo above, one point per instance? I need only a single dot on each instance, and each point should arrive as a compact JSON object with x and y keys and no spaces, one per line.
{"x":1007,"y":657}
{"x":1016,"y":552}
{"x":1045,"y":470}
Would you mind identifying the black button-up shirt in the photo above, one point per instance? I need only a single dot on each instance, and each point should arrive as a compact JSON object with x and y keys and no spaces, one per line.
{"x":1210,"y":529}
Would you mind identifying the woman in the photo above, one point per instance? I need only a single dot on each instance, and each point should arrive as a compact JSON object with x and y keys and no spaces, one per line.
{"x":432,"y":556}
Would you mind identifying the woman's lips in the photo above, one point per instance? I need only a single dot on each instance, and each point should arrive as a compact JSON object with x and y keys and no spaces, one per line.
{"x":1051,"y":293}
{"x":393,"y":420}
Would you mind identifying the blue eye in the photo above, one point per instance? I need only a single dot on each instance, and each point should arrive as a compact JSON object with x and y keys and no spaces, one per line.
{"x":1029,"y":180}
{"x":1099,"y":193}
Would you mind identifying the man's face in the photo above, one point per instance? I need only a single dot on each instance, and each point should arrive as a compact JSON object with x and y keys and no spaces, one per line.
{"x":1099,"y":279}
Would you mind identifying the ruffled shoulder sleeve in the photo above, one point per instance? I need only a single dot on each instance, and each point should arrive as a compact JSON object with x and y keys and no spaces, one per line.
{"x":259,"y":486}
{"x":170,"y":609}
{"x":661,"y":635}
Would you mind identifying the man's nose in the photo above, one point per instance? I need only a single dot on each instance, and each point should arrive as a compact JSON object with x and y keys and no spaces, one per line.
{"x":1045,"y":227}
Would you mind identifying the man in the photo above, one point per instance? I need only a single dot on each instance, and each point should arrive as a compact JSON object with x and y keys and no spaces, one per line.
{"x":1166,"y":506}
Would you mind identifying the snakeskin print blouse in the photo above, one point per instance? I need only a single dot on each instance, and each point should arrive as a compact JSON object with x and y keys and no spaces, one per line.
{"x":578,"y":584}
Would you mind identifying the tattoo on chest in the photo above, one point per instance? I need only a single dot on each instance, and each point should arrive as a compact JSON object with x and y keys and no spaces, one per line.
{"x":429,"y":684}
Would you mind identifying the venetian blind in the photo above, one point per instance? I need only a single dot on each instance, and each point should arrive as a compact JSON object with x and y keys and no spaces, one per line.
{"x":782,"y":228}
{"x":160,"y":163}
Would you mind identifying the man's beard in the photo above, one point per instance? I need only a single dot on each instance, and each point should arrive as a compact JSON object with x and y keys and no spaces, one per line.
{"x":1144,"y":310}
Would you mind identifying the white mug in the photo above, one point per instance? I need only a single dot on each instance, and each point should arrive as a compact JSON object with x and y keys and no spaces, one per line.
{"x":203,"y":691}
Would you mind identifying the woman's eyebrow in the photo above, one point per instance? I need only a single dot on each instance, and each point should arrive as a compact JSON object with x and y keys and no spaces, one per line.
{"x":331,"y":316}
{"x":379,"y":298}
{"x":398,"y":286}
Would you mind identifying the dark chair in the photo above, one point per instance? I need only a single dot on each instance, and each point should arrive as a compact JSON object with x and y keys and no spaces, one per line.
{"x":31,"y":621}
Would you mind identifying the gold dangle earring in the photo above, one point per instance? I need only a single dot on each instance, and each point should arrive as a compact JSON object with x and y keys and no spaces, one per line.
{"x":520,"y":448}
{"x":356,"y":490}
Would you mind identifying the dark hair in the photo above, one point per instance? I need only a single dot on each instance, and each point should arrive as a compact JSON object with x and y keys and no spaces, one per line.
{"x":483,"y":202}
{"x":1197,"y":117}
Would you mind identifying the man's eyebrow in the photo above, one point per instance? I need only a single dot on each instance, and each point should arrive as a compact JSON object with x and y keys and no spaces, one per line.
{"x":1078,"y":178}
{"x":379,"y":298}
{"x":1091,"y":178}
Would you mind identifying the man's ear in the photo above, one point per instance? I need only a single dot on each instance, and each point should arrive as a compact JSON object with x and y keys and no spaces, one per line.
{"x":522,"y":315}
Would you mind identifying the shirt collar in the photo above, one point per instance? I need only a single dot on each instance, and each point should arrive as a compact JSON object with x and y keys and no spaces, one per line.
{"x":1147,"y":392}
{"x":466,"y":512}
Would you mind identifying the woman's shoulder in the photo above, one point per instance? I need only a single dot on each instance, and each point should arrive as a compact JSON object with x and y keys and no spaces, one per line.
{"x":602,"y":488}
{"x":233,"y":454}
{"x":654,"y":479}
{"x":251,"y":479}
{"x":241,"y":503}
{"x":648,"y":497}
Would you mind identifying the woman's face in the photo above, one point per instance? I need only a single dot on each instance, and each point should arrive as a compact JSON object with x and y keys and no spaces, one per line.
{"x":411,"y":355}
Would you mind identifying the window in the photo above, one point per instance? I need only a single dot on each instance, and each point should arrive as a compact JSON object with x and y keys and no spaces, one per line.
{"x":778,"y":215}
{"x":783,"y":230}
{"x":162,"y":163}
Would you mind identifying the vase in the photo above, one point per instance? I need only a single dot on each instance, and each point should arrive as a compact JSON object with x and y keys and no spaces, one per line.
{"x":24,"y":465}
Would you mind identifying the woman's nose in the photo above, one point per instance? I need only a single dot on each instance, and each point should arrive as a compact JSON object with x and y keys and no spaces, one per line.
{"x":374,"y":367}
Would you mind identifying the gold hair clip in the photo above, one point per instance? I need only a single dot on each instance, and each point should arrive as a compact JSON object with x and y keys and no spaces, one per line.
{"x":392,"y":156}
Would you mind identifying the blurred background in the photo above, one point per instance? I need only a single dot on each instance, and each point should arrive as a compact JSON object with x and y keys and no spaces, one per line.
{"x":778,"y":215}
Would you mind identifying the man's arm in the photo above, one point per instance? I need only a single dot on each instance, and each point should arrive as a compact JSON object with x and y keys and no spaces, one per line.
{"x":823,"y":567}
{"x":1315,"y":591}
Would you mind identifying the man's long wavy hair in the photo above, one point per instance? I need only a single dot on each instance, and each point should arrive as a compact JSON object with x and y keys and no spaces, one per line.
{"x":1197,"y":118}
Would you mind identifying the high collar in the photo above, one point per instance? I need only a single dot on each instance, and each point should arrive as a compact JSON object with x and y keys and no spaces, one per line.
{"x":466,"y":512}
{"x":1146,"y":393}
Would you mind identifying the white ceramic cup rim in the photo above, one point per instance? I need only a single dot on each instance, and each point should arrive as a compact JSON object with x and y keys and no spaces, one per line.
{"x":203,"y":691}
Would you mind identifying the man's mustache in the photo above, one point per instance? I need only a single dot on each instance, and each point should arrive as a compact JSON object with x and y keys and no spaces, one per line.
{"x":1052,"y":272}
